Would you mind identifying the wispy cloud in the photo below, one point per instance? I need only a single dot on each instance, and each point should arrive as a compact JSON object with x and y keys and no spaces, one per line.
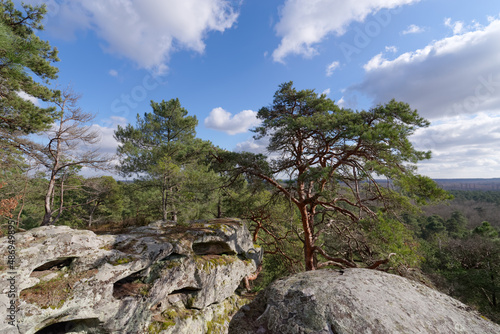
{"x":457,"y":26}
{"x":392,"y":49}
{"x":412,"y":29}
{"x":332,"y":67}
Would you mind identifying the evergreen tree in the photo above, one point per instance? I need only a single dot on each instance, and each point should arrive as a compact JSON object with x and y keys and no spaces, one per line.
{"x":486,"y":230}
{"x":160,"y":149}
{"x":23,"y":55}
{"x":456,"y":225}
{"x":333,"y":155}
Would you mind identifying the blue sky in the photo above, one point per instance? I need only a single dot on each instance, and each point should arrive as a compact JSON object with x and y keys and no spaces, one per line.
{"x":225,"y":59}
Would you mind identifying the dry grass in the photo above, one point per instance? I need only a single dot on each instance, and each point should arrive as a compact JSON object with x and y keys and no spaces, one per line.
{"x":55,"y":292}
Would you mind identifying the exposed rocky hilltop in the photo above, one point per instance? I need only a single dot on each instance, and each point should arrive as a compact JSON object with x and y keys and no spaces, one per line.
{"x":356,"y":301}
{"x":165,"y":279}
{"x":153,"y":279}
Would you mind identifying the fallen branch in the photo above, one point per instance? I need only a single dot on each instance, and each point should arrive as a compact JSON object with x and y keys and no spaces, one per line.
{"x":380,"y":262}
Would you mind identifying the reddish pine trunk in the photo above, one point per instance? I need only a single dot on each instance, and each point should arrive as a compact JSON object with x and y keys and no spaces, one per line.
{"x":308,"y":239}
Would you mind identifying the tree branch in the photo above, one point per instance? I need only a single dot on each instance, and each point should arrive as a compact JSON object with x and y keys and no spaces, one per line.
{"x":380,"y":262}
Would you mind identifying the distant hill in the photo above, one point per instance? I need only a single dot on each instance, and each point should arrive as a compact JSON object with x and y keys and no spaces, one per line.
{"x":469,"y":184}
{"x":446,"y":184}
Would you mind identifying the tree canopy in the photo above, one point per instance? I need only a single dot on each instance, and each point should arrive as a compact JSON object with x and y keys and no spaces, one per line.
{"x":161,"y":148}
{"x":23,"y":55}
{"x":157,"y":134}
{"x":333,"y":157}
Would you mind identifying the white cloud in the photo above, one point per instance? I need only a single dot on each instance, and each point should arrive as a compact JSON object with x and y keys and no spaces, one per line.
{"x":113,"y":73}
{"x":222,"y":120}
{"x":108,"y":143}
{"x":341,"y":103}
{"x":304,"y":23}
{"x":332,"y":67}
{"x":462,"y":147}
{"x":348,"y":102}
{"x":374,"y":63}
{"x":326,"y":92}
{"x":145,"y":31}
{"x":412,"y":29}
{"x":457,"y":26}
{"x":257,"y":146}
{"x":453,"y":76}
{"x":28,"y":97}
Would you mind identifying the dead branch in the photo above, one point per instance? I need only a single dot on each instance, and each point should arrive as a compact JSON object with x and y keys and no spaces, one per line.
{"x":380,"y":262}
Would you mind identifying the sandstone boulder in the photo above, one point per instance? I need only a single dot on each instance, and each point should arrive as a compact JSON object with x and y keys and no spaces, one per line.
{"x":356,"y":301}
{"x":152,"y":279}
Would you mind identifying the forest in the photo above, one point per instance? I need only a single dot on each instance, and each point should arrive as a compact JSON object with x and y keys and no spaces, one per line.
{"x":337,"y":188}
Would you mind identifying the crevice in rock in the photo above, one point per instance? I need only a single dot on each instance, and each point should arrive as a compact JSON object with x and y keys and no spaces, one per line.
{"x":212,"y":248}
{"x":57,"y":264}
{"x":185,"y":295}
{"x":173,"y":257}
{"x":90,"y":325}
{"x":332,"y":329}
{"x":131,"y":286}
{"x":185,"y":290}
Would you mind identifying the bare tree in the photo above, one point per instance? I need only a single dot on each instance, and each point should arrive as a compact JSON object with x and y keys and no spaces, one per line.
{"x":69,"y":141}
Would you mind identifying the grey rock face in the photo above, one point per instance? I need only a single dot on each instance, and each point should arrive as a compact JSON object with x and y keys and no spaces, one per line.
{"x":357,"y":301}
{"x":151,"y":279}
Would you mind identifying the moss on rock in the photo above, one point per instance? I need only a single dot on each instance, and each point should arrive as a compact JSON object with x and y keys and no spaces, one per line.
{"x":209,"y":262}
{"x":54,"y":293}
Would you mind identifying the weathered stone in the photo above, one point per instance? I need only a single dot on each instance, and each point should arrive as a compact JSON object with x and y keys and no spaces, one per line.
{"x":74,"y":281}
{"x":356,"y":301}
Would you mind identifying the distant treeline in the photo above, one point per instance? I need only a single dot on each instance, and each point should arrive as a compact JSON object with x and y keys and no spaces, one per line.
{"x":469,"y":184}
{"x":477,"y":195}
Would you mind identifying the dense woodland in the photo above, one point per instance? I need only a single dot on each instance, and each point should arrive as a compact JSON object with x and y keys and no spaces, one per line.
{"x":337,"y":187}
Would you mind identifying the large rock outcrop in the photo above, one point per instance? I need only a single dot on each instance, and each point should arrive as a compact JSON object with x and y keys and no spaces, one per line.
{"x":355,"y":301}
{"x":159,"y":278}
